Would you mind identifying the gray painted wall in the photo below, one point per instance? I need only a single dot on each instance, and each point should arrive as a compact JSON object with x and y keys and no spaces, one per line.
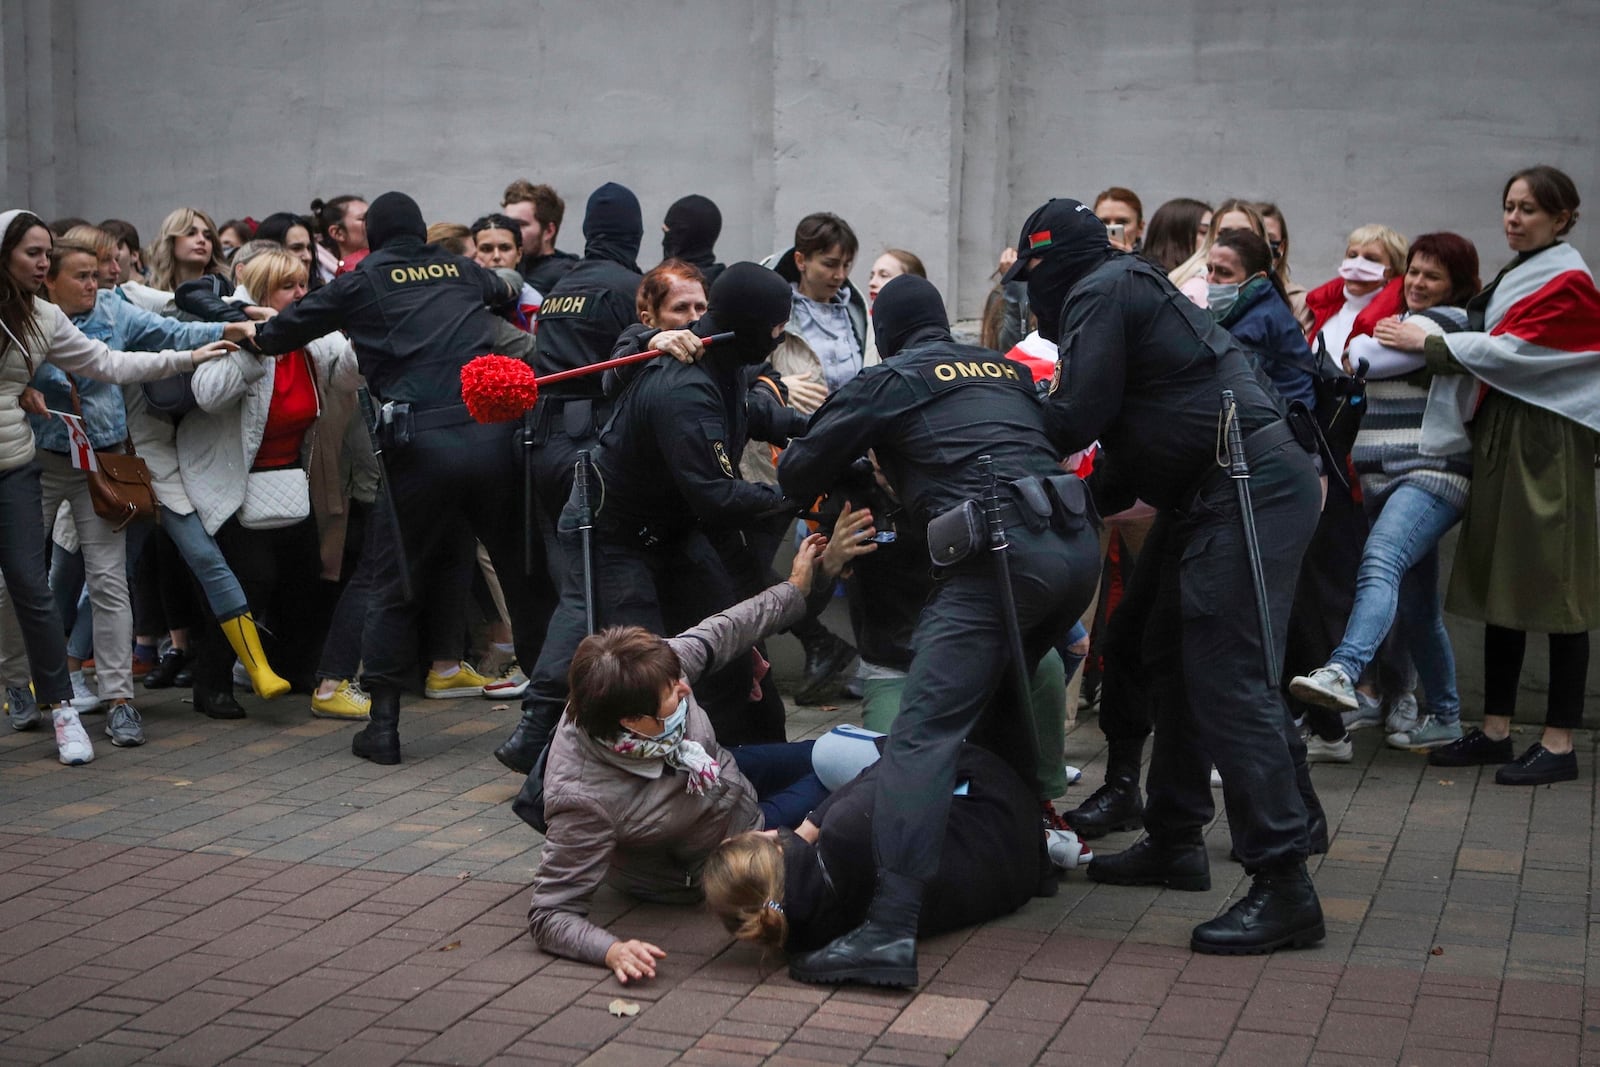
{"x":935,"y":125}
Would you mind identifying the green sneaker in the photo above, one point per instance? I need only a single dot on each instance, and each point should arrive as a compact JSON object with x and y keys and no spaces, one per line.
{"x":1428,"y":734}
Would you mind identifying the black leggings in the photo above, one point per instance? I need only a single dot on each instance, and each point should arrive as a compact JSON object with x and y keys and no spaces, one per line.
{"x":1569,"y":674}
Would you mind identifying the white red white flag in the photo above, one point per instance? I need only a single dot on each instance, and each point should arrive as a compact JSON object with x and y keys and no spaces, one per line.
{"x":79,"y":449}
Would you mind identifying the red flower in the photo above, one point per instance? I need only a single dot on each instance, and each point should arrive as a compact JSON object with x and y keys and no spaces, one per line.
{"x":498,"y":388}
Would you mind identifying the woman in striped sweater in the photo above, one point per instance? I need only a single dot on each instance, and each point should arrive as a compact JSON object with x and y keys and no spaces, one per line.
{"x":1412,"y":501}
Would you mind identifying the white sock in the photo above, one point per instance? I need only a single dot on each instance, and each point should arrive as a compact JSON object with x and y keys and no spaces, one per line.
{"x":449,"y":672}
{"x":504,"y":646}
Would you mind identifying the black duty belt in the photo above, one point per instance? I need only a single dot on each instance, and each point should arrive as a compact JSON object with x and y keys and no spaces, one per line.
{"x":437,"y":418}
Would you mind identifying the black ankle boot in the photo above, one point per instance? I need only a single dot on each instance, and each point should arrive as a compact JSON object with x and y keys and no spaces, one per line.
{"x":1114,"y":806}
{"x":827,"y":656}
{"x":1281,"y":910}
{"x":217,"y":703}
{"x":1176,"y":865}
{"x":379,"y":741}
{"x":520,"y":751}
{"x":881,"y":951}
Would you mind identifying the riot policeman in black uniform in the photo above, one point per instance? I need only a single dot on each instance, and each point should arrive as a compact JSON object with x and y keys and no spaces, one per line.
{"x":665,"y":467}
{"x":927,"y":413}
{"x":1142,"y":370}
{"x":415,"y":315}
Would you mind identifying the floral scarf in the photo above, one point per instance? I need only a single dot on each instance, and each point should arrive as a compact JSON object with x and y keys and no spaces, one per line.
{"x":676,"y":751}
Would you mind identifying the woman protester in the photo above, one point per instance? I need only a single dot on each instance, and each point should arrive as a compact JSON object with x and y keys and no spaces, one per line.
{"x":1232,"y":214}
{"x":294,"y":234}
{"x":637,"y":790}
{"x":799,"y":890}
{"x":242,"y":460}
{"x":893,"y":263}
{"x":341,"y":225}
{"x":1246,"y":298}
{"x":35,"y":334}
{"x":1529,"y":554}
{"x":1366,"y":289}
{"x":1175,"y":231}
{"x":1278,"y":238}
{"x":1412,"y":501}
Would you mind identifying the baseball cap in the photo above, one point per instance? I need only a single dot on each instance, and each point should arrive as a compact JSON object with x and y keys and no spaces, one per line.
{"x":1048,"y":226}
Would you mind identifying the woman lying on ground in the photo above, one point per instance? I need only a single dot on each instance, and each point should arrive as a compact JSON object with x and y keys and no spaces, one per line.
{"x":637,"y":791}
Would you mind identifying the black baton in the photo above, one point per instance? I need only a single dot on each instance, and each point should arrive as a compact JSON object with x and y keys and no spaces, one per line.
{"x":1239,"y":471}
{"x":530,"y":516}
{"x":580,"y":481}
{"x":998,"y":546}
{"x":369,"y":415}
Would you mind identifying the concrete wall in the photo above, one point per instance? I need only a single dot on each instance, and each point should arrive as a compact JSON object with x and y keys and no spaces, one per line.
{"x":935,"y":125}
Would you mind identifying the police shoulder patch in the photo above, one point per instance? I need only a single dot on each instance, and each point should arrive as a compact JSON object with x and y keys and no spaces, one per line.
{"x":952,"y":372}
{"x":567,"y":306}
{"x":720,"y":450}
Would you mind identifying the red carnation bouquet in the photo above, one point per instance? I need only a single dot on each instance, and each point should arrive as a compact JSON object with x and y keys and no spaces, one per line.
{"x":498,"y":388}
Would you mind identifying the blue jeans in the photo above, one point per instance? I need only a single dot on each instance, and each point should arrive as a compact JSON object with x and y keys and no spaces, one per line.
{"x":785,"y":784}
{"x":199,"y":550}
{"x":1399,"y":573}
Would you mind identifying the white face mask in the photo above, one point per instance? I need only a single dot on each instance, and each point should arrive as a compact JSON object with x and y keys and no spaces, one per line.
{"x":1356,"y":269}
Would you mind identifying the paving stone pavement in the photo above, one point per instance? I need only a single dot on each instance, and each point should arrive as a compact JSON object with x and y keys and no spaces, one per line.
{"x":248,"y":893}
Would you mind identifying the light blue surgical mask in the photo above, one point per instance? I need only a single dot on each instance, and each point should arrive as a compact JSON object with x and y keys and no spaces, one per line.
{"x":675,"y":722}
{"x":1221,"y":298}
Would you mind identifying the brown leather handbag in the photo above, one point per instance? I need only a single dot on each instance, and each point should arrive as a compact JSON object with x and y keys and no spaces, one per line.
{"x":122,"y":489}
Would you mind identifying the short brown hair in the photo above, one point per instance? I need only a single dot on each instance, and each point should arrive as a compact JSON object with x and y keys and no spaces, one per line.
{"x":823,"y":230}
{"x":548,"y":207}
{"x":450,"y":236}
{"x":1551,"y":189}
{"x":655,"y":286}
{"x":618,"y":673}
{"x":1122,"y":196}
{"x":909,"y":262}
{"x":62,"y":248}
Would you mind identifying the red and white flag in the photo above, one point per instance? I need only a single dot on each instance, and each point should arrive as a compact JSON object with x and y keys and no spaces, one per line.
{"x":1541,"y":345}
{"x":79,"y":449}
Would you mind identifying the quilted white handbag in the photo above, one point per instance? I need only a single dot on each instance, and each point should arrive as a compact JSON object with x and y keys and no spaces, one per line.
{"x":275,"y":499}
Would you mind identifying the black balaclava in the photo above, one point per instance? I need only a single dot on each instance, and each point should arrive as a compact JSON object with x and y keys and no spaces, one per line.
{"x":613,"y":226}
{"x":693,"y":226}
{"x":750,"y":300}
{"x":908,"y":308}
{"x":1077,"y":245}
{"x":394,"y":218}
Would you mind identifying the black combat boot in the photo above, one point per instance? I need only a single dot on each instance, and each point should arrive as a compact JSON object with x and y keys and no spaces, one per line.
{"x":827,"y":657}
{"x":1280,"y":910}
{"x":520,"y":751}
{"x":380,"y":740}
{"x":881,"y":951}
{"x":216,"y":703}
{"x":1178,"y":865}
{"x":1116,"y":805}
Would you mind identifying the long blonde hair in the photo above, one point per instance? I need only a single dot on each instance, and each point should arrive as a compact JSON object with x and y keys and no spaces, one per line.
{"x":164,"y":265}
{"x":743,"y":883}
{"x":1195,"y":265}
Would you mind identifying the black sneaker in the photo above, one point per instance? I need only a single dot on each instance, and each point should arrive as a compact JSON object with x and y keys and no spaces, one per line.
{"x":1473,"y":749}
{"x":1539,"y":766}
{"x":164,"y":675}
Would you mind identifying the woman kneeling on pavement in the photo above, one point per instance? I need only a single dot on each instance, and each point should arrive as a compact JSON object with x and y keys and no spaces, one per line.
{"x":637,"y":791}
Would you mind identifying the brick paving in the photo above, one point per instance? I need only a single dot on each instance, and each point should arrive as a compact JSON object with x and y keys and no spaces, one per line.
{"x":248,"y":893}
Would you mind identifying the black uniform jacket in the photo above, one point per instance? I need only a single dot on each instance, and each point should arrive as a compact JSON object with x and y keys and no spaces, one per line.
{"x":415,"y":315}
{"x":928,"y":413}
{"x":1142,"y":370}
{"x":580,"y":320}
{"x":668,"y":457}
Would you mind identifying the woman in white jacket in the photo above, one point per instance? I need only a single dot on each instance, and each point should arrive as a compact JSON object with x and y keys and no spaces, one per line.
{"x":242,"y":459}
{"x":35,"y":332}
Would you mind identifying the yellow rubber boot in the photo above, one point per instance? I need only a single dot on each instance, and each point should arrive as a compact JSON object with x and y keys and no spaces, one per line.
{"x":246,"y":641}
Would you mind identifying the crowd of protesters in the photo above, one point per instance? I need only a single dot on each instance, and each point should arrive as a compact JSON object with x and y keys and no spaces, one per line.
{"x":1440,"y":401}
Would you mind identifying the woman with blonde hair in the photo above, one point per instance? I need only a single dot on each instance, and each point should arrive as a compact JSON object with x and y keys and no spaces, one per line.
{"x":242,"y":455}
{"x":799,"y":890}
{"x":186,"y":248}
{"x":1366,"y":289}
{"x":1232,"y":214}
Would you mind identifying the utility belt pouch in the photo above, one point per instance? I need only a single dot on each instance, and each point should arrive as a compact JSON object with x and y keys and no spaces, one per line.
{"x":1036,"y":507}
{"x":1309,"y":436}
{"x":956,"y":534}
{"x":394,"y":425}
{"x":1074,"y":507}
{"x":577,"y":419}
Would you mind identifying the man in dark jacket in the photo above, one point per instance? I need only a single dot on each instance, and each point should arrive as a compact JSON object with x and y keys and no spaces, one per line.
{"x":415,"y":315}
{"x":666,"y":465}
{"x":1142,"y":370}
{"x":928,"y":412}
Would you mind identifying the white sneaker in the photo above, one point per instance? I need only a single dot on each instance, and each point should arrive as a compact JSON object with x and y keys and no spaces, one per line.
{"x":1074,"y":774}
{"x":1326,"y":687}
{"x":84,"y":699}
{"x":1066,"y":851}
{"x":241,"y":678}
{"x":1216,"y":779}
{"x":72,"y":741}
{"x":1320,"y":751}
{"x":1402,"y":715}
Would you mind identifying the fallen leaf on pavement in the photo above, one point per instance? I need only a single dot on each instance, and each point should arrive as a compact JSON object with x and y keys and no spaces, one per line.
{"x":623,"y":1008}
{"x":451,"y":947}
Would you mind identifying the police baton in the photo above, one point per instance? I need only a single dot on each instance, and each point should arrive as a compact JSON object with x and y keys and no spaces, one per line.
{"x":530,"y":520}
{"x":582,"y":471}
{"x":369,"y":415}
{"x":998,"y":547}
{"x":1239,"y":470}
